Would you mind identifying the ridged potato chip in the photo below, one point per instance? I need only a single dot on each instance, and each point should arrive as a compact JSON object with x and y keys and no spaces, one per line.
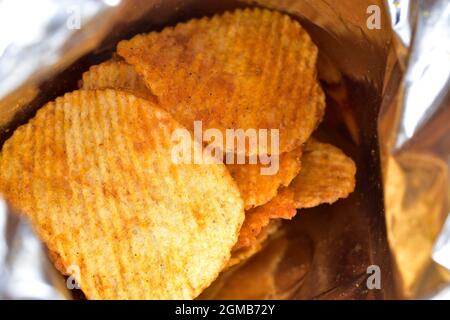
{"x":245,"y":253}
{"x":327,"y":175}
{"x":93,"y":173}
{"x":282,"y":206}
{"x":249,"y":69}
{"x":116,"y":74}
{"x":254,"y":279}
{"x":257,"y":189}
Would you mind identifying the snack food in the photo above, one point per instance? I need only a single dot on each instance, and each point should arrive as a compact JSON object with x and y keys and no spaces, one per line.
{"x":105,"y":194}
{"x":282,"y":206}
{"x":116,"y":74}
{"x":257,"y":189}
{"x":245,"y":252}
{"x":327,"y":175}
{"x":93,"y":173}
{"x":247,"y":69}
{"x":254,"y":279}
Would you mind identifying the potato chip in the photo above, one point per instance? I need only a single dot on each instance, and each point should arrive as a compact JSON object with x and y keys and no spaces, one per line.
{"x":116,"y":74}
{"x":282,"y":206}
{"x":245,"y":253}
{"x":255,"y":279}
{"x":249,"y":69}
{"x":93,"y":173}
{"x":257,"y":189}
{"x":327,"y":175}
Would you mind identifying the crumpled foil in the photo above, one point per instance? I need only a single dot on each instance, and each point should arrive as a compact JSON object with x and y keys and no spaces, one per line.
{"x":25,"y":271}
{"x":415,"y":139}
{"x":385,"y":66}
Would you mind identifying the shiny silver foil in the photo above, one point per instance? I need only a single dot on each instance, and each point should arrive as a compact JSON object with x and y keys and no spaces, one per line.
{"x":385,"y":66}
{"x":415,"y":137}
{"x":25,"y":271}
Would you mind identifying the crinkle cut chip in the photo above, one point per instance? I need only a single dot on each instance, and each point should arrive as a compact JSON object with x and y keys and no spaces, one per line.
{"x":327,"y":175}
{"x":256,"y":188}
{"x":258,"y":218}
{"x":93,"y":173}
{"x":116,"y":74}
{"x":247,"y":69}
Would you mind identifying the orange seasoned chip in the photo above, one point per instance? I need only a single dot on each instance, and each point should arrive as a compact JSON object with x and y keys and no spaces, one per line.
{"x":254,"y":247}
{"x":93,"y":172}
{"x":249,"y":69}
{"x":282,"y":206}
{"x":327,"y":175}
{"x":257,"y":189}
{"x":254,"y":279}
{"x":116,"y":74}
